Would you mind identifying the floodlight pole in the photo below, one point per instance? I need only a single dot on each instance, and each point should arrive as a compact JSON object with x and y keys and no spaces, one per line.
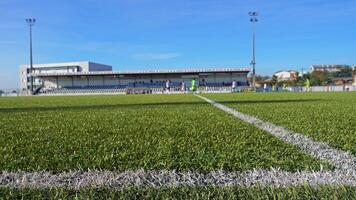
{"x":253,"y":20}
{"x":31,"y":22}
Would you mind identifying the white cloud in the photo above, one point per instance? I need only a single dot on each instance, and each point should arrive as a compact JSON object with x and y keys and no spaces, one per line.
{"x":155,"y":56}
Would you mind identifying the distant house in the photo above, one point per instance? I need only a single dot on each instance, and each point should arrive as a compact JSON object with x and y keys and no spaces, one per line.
{"x":342,"y":81}
{"x":327,"y":68}
{"x":289,"y":75}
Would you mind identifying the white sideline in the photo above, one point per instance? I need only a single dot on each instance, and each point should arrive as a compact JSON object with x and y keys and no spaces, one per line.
{"x":340,"y":159}
{"x":166,"y":178}
{"x":344,"y":175}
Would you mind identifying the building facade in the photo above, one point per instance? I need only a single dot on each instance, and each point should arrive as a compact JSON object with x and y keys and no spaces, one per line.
{"x":289,"y":75}
{"x":327,"y":68}
{"x":208,"y":77}
{"x":58,"y":77}
{"x":68,"y":67}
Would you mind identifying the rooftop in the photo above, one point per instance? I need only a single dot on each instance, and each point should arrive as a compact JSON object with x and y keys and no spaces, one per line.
{"x":62,"y":64}
{"x":182,"y":71}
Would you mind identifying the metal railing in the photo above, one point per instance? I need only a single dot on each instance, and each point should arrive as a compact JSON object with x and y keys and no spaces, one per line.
{"x":201,"y":89}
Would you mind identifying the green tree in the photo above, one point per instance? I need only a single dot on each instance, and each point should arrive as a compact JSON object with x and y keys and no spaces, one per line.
{"x":319,"y":78}
{"x":274,"y":80}
{"x":260,"y":79}
{"x":345,"y":71}
{"x":298,"y":81}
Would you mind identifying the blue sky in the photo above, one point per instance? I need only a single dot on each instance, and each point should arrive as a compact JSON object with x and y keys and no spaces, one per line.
{"x":169,"y":34}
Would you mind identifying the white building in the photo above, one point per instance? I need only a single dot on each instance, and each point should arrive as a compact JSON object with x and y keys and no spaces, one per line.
{"x":91,"y":77}
{"x":286,"y":75}
{"x":82,"y":66}
{"x":327,"y":68}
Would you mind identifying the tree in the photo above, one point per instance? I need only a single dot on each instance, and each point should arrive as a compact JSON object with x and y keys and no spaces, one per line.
{"x":298,"y":81}
{"x":301,"y":80}
{"x":274,"y":80}
{"x":320,"y":78}
{"x":260,"y":79}
{"x":1,"y":92}
{"x":345,"y":71}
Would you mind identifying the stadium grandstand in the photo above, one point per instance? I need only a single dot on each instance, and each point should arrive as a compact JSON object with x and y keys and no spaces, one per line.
{"x":93,"y":78}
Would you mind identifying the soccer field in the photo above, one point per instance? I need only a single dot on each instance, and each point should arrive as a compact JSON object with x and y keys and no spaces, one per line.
{"x":178,"y":146}
{"x":327,"y":117}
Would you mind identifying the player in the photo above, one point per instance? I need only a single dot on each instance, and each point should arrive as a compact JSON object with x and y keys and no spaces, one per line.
{"x":265,"y":87}
{"x":193,"y":87}
{"x":233,"y":86}
{"x":168,"y":86}
{"x":183,"y":87}
{"x":307,"y":85}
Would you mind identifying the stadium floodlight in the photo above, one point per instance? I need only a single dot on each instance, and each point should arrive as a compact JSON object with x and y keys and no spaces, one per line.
{"x":253,"y":19}
{"x":31,"y":22}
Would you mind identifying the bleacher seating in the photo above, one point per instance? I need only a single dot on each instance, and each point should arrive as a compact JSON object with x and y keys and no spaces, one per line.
{"x":137,"y":88}
{"x":238,"y":83}
{"x":85,"y":90}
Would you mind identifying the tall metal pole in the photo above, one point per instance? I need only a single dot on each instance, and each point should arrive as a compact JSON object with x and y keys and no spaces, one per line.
{"x":253,"y":20}
{"x":31,"y":22}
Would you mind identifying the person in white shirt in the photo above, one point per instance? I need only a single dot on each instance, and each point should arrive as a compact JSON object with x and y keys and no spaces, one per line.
{"x":183,"y":87}
{"x":265,"y":87}
{"x":168,"y":88}
{"x":233,"y":86}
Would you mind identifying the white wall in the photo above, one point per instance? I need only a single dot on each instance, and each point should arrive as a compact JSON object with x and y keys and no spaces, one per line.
{"x":124,"y":81}
{"x":225,"y":77}
{"x":64,"y":82}
{"x":111,"y":81}
{"x":99,"y":67}
{"x":80,"y":81}
{"x":50,"y":82}
{"x":23,"y":77}
{"x":96,"y":80}
{"x":238,"y":77}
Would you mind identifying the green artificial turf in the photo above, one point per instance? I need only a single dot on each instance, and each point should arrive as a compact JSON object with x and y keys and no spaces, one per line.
{"x":153,"y":132}
{"x":327,"y":117}
{"x":300,"y":192}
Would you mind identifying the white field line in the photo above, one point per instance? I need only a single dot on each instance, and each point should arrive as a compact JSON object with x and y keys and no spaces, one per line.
{"x":165,"y":178}
{"x":344,"y":175}
{"x":340,"y":159}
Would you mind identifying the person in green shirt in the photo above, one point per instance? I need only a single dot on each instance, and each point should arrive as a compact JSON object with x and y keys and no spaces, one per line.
{"x":193,"y":87}
{"x":307,"y":85}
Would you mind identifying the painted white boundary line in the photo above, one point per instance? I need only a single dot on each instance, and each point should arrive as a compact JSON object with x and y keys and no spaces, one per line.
{"x":340,"y":159}
{"x":156,"y":179}
{"x":344,"y":175}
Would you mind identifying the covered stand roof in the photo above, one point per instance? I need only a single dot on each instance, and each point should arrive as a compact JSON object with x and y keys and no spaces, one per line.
{"x":142,"y":72}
